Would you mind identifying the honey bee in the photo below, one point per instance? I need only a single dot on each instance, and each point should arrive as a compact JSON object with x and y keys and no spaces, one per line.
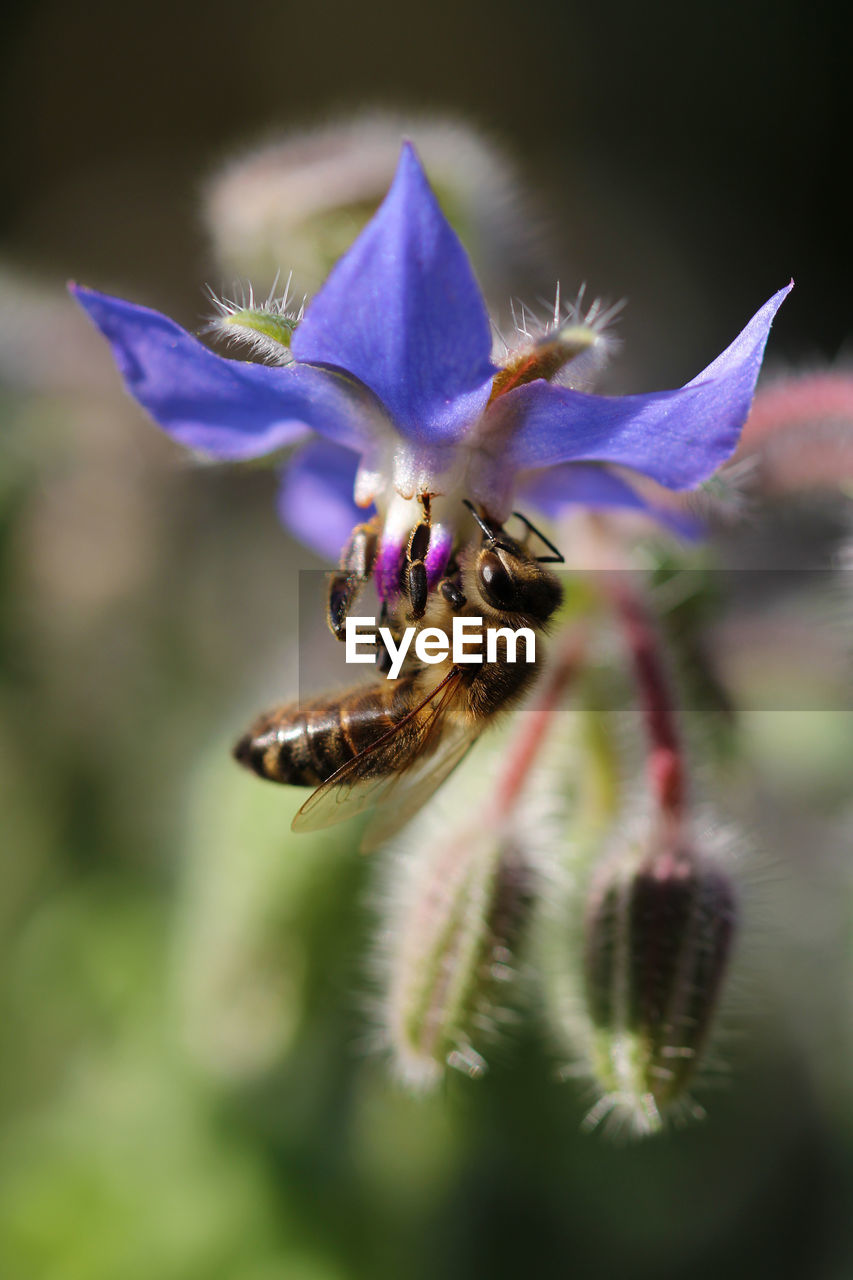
{"x":392,"y":743}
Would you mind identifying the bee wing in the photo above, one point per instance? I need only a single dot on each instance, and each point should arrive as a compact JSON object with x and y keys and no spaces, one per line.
{"x":411,"y":790}
{"x":357,"y":786}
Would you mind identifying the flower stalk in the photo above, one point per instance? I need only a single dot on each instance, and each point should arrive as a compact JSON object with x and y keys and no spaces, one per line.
{"x":536,"y":722}
{"x":666,"y":770}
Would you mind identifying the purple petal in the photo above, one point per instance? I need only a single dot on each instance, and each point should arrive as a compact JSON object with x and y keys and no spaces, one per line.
{"x":679,"y":438}
{"x":389,"y":567}
{"x":402,"y":312}
{"x":225,"y":408}
{"x":584,"y":484}
{"x":315,"y":501}
{"x":438,"y":554}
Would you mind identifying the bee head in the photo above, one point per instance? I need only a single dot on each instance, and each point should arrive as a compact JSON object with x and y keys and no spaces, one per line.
{"x":509,"y":579}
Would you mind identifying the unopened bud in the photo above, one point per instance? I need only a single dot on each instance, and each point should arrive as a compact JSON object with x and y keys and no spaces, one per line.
{"x":799,"y":434}
{"x":453,"y":923}
{"x":302,"y":200}
{"x":657,"y":939}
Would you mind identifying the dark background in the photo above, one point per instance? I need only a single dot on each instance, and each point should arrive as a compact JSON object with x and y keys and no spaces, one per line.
{"x":182,"y":1088}
{"x":715,"y":135}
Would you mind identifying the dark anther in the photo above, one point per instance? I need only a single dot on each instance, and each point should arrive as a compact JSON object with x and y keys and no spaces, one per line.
{"x":340,"y":595}
{"x":418,"y":543}
{"x":417,"y":588}
{"x":359,"y":554}
{"x":357,"y":560}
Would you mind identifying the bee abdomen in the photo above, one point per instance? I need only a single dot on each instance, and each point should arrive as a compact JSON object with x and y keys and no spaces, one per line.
{"x":276,"y":746}
{"x":305,"y":747}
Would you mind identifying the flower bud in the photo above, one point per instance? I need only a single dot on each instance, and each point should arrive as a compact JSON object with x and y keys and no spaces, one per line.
{"x":302,"y":199}
{"x":799,"y":434}
{"x":657,"y":938}
{"x":453,"y":921}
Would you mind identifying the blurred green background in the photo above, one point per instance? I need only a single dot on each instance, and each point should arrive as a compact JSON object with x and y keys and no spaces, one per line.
{"x":185,"y":1087}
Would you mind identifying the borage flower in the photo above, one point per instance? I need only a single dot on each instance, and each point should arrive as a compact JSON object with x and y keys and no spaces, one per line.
{"x":392,"y":370}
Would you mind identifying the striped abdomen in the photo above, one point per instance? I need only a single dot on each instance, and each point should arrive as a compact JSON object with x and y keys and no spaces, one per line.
{"x":303,"y":746}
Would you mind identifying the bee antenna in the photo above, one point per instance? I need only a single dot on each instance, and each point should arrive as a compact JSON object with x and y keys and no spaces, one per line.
{"x":487,"y":529}
{"x":557,"y":557}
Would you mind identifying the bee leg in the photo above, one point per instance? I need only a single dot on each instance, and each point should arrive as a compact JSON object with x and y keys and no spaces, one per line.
{"x":415,"y":585}
{"x":383,"y":657}
{"x":383,"y":660}
{"x":357,"y":560}
{"x":389,"y":619}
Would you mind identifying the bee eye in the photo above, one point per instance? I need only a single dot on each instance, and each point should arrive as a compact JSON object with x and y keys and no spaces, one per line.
{"x":496,"y":583}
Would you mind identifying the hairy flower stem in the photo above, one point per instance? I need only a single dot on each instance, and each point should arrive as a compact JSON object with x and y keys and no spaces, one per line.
{"x":537,"y":723}
{"x":666,"y":765}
